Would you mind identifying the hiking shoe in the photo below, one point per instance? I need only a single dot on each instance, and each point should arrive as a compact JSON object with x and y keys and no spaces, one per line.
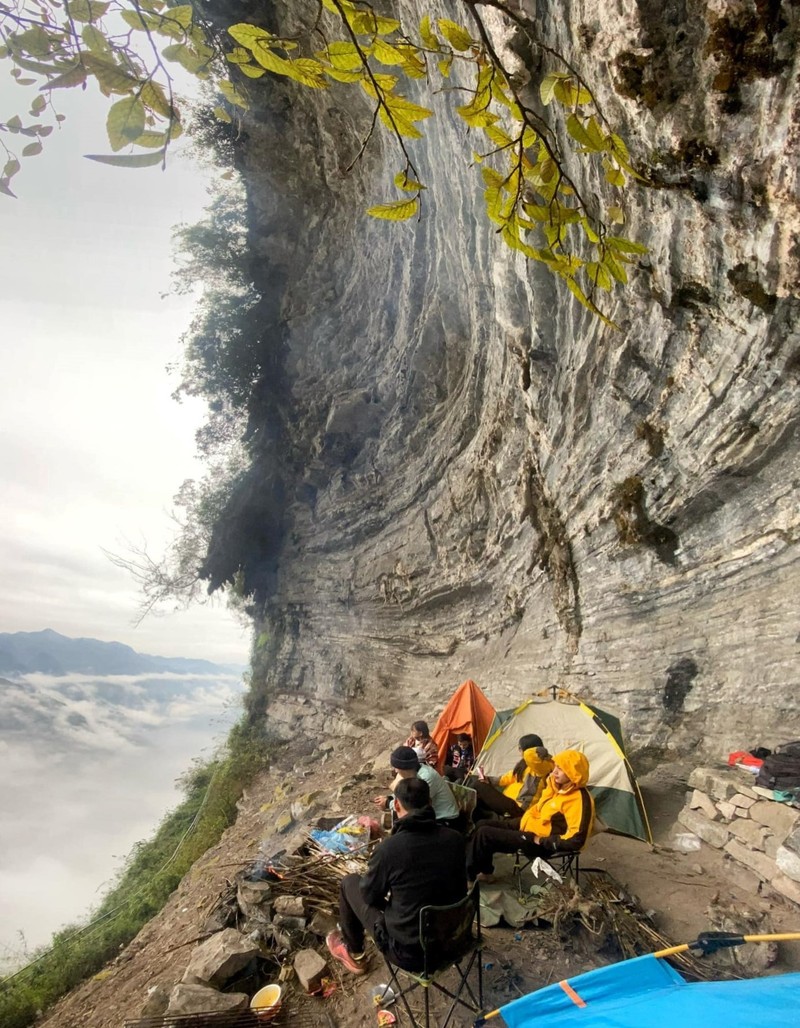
{"x":337,"y":948}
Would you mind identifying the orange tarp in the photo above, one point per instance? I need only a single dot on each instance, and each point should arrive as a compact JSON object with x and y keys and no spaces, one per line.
{"x":468,"y":711}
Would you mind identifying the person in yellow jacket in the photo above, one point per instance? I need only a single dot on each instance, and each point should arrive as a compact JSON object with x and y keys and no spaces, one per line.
{"x":561,"y":819}
{"x":513,"y":792}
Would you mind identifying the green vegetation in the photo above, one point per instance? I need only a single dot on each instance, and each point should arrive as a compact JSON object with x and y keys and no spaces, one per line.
{"x":526,"y":138}
{"x":151,"y":873}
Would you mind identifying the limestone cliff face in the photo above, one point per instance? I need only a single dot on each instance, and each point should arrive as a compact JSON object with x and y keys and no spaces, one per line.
{"x":480,"y":478}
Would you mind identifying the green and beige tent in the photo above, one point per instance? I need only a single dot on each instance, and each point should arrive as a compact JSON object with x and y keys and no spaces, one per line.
{"x":567,"y":723}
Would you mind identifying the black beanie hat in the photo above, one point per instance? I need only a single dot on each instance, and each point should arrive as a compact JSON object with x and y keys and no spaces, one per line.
{"x":404,"y":759}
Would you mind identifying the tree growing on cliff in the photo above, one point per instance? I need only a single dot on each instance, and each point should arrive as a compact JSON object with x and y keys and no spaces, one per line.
{"x":530,"y":138}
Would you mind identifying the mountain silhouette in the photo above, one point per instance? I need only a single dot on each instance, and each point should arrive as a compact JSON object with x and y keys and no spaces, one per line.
{"x":48,"y":652}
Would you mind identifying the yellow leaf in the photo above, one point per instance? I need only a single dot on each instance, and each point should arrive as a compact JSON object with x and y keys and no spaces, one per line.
{"x":409,"y":110}
{"x":477,"y":119}
{"x":222,"y":115}
{"x":571,"y":93}
{"x":498,"y":136}
{"x":402,"y":180}
{"x":400,"y":210}
{"x":455,"y":35}
{"x":429,"y":37}
{"x":343,"y":56}
{"x":616,"y":215}
{"x":444,"y":66}
{"x":399,"y":124}
{"x":252,"y":71}
{"x":344,"y":76}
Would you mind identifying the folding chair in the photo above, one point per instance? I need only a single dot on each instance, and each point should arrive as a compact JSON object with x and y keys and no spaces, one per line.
{"x":446,"y":938}
{"x":566,"y":862}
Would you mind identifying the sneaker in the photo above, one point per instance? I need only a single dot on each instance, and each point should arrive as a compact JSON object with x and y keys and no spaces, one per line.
{"x":337,"y":948}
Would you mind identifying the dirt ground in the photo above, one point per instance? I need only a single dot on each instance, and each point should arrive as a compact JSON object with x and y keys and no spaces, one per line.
{"x":683,"y":893}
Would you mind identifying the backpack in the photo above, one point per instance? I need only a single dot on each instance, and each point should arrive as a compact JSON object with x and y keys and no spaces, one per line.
{"x":781,"y":769}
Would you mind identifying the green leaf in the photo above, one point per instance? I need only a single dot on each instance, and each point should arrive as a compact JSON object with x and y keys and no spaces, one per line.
{"x":86,"y":10}
{"x":616,"y":269}
{"x":624,"y":245}
{"x":152,"y":140}
{"x":577,"y":130}
{"x":38,"y":105}
{"x":222,"y":115}
{"x":31,"y":149}
{"x":616,"y":215}
{"x":615,"y":176}
{"x":182,"y":14}
{"x":134,"y":160}
{"x":125,"y":122}
{"x":110,"y":77}
{"x":14,"y":123}
{"x":591,"y":235}
{"x":400,"y":210}
{"x":455,"y":35}
{"x":548,"y":85}
{"x":34,"y":41}
{"x":232,"y":95}
{"x":74,"y":77}
{"x":94,"y":39}
{"x":154,"y":98}
{"x":11,"y":168}
{"x":185,"y":56}
{"x":598,"y":275}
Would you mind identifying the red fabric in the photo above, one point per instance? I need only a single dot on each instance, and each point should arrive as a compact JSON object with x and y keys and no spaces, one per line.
{"x":742,"y":757}
{"x":467,"y":712}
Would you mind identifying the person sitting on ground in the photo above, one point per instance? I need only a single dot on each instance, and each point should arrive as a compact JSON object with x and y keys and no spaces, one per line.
{"x":561,"y":819}
{"x":406,"y":763}
{"x":421,"y":736}
{"x":421,"y":863}
{"x":512,"y":793}
{"x":460,"y":758}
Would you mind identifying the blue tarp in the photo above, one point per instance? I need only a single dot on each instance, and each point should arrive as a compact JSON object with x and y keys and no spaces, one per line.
{"x":647,"y":993}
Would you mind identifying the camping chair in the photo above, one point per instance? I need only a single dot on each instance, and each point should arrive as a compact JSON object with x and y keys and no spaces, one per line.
{"x":445,"y":934}
{"x":566,"y":862}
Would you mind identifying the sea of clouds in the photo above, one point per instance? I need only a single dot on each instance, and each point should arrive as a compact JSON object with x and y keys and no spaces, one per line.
{"x":88,"y":767}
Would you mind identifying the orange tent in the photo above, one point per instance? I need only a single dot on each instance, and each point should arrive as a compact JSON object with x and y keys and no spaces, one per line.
{"x":468,"y":711}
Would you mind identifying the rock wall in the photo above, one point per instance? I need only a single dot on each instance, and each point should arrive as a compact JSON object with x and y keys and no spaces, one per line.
{"x":484,"y":480}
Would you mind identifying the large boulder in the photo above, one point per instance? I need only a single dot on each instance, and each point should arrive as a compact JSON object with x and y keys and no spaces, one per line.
{"x":219,"y":958}
{"x":200,"y":999}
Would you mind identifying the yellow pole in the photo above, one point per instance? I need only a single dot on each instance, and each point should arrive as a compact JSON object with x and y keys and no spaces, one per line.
{"x":784,"y":937}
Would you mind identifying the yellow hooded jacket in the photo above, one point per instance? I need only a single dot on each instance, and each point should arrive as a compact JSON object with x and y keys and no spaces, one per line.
{"x":538,"y":765}
{"x":563,"y":818}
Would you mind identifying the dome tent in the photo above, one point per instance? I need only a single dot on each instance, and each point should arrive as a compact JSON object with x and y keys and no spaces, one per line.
{"x":467,"y":711}
{"x":567,"y":723}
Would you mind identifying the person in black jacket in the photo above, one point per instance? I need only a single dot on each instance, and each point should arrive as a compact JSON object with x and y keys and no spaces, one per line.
{"x":421,"y":863}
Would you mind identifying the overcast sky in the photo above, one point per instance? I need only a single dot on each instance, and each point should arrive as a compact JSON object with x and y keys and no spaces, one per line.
{"x":92,"y":447}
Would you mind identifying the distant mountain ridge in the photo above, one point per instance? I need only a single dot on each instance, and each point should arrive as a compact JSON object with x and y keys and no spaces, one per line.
{"x":48,"y":652}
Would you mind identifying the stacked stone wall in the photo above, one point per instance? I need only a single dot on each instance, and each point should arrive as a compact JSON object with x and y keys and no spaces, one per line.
{"x":759,"y":836}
